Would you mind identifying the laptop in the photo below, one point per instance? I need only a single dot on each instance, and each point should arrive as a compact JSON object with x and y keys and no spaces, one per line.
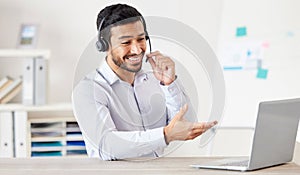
{"x":274,"y":138}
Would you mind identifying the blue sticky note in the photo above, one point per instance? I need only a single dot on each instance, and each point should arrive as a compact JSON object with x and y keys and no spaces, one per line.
{"x":290,"y":34}
{"x":232,"y":67}
{"x":249,"y":53}
{"x":241,"y":31}
{"x":262,"y":73}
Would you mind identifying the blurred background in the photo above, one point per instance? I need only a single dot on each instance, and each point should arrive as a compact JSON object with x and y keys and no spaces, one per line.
{"x":257,"y":43}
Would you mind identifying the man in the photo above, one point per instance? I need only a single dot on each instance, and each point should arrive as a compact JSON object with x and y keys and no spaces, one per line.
{"x":124,"y":111}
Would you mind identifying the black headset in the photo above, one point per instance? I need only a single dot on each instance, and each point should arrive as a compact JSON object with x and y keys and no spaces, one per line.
{"x":102,"y":44}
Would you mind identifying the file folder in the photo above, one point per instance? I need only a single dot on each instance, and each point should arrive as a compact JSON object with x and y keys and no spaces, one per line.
{"x":40,"y":83}
{"x":35,"y":81}
{"x":28,"y":82}
{"x":6,"y":134}
{"x":21,"y":143}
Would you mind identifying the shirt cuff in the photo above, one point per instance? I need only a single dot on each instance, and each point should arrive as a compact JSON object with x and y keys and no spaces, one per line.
{"x":172,"y":89}
{"x":158,"y":138}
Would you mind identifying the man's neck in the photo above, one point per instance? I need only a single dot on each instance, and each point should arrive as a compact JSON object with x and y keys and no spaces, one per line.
{"x":122,"y":74}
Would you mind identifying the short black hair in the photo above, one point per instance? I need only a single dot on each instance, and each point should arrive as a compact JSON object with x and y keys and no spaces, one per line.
{"x":114,"y":15}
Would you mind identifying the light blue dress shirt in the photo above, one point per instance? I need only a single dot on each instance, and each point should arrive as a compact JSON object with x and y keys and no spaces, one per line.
{"x":121,"y":121}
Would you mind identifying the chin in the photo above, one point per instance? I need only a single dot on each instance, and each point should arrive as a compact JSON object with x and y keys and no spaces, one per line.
{"x":134,"y":70}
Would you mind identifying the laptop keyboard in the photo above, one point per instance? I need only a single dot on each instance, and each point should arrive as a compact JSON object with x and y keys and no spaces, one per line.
{"x":241,"y":163}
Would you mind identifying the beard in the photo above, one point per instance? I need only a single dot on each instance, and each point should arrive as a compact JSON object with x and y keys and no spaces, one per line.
{"x":126,"y":66}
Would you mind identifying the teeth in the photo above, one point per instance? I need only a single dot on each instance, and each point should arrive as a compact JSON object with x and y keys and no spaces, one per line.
{"x":133,"y":59}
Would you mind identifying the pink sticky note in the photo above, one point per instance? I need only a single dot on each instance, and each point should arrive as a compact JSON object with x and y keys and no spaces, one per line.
{"x":265,"y":44}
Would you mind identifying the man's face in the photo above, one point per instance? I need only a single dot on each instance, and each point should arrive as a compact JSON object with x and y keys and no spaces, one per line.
{"x":128,"y":46}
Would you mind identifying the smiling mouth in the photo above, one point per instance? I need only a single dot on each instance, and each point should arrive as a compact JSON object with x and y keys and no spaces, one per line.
{"x":135,"y":58}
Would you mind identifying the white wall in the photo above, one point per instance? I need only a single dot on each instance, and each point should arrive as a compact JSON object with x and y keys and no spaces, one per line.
{"x":66,"y":27}
{"x":275,"y":22}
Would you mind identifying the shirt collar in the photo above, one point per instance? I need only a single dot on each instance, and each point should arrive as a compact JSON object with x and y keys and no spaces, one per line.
{"x":111,"y":77}
{"x":108,"y":74}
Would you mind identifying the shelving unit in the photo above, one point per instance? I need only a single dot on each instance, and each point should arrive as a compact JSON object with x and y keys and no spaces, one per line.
{"x":52,"y":138}
{"x":8,"y":133}
{"x":34,"y":74}
{"x":24,"y":53}
{"x":37,"y":130}
{"x":47,"y":130}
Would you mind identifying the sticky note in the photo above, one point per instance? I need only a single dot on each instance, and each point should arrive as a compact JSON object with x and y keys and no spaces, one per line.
{"x":290,"y":34}
{"x":265,"y":44}
{"x":232,"y":67}
{"x":241,"y":31}
{"x":262,"y":73}
{"x":249,"y":53}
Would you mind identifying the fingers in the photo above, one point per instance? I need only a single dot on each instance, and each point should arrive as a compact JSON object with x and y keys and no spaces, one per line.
{"x":204,"y":125}
{"x":162,"y":62}
{"x":194,"y":134}
{"x":191,"y":137}
{"x":179,"y":115}
{"x":152,"y":62}
{"x":163,"y":67}
{"x":155,"y":53}
{"x":179,"y":129}
{"x":199,"y":128}
{"x":182,"y":111}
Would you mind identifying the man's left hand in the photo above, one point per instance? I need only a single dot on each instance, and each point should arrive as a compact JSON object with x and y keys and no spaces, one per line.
{"x":163,"y":67}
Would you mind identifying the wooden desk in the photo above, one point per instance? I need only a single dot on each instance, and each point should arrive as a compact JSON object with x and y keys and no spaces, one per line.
{"x":84,"y":166}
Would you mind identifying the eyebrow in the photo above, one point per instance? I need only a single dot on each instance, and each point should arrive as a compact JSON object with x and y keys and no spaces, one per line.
{"x":123,"y":37}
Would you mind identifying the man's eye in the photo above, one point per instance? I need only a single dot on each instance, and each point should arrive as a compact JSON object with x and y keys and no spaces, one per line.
{"x":141,"y":39}
{"x":125,"y":43}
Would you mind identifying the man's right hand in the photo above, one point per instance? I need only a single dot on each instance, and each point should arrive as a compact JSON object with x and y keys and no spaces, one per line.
{"x":181,"y":129}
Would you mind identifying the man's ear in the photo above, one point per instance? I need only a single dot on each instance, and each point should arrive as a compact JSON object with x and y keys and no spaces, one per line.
{"x":109,"y":49}
{"x":109,"y":44}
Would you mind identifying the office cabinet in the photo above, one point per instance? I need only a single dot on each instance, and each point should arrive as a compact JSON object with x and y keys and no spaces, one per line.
{"x":48,"y":130}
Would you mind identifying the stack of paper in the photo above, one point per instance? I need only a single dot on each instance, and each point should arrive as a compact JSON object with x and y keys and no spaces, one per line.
{"x":46,"y":146}
{"x":46,"y":130}
{"x":47,"y":139}
{"x":75,"y":143}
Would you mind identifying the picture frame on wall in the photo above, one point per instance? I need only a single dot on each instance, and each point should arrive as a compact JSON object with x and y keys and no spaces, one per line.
{"x":28,"y":36}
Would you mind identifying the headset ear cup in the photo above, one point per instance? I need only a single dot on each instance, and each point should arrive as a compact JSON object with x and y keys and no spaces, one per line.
{"x":98,"y":45}
{"x":102,"y":45}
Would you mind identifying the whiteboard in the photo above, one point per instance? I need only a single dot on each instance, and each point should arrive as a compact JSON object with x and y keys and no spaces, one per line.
{"x":274,"y":24}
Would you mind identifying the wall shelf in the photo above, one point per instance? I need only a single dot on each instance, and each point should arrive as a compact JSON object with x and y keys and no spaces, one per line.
{"x":24,"y":53}
{"x":36,"y":108}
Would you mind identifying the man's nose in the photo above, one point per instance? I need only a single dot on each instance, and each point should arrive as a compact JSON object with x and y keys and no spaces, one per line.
{"x":135,"y":48}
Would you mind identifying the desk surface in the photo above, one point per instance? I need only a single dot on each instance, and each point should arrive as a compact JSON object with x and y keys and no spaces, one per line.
{"x":76,"y":166}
